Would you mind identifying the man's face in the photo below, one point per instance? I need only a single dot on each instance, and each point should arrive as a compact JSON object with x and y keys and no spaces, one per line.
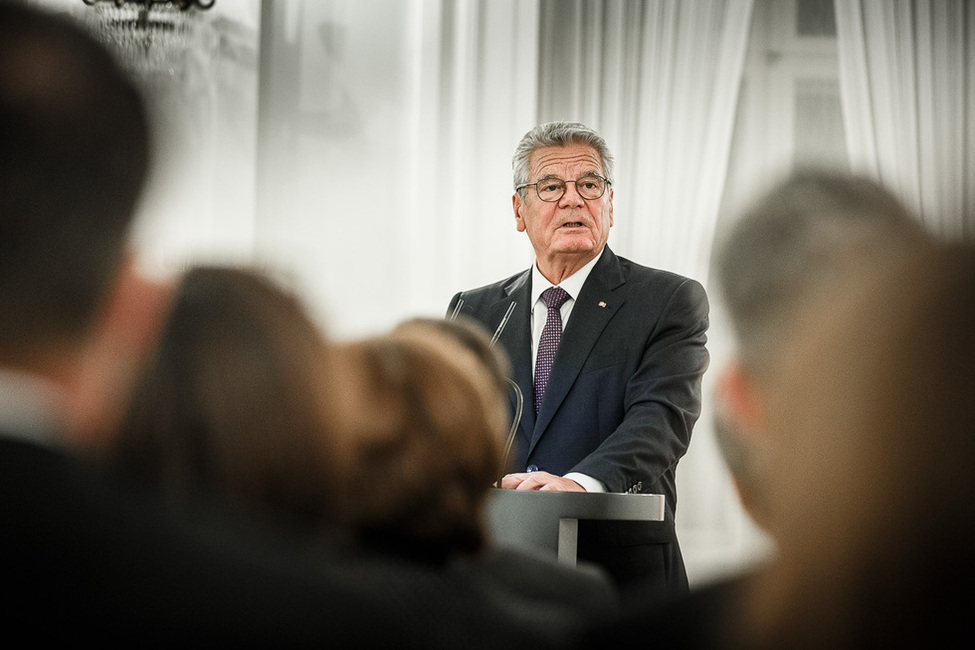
{"x":571,"y":228}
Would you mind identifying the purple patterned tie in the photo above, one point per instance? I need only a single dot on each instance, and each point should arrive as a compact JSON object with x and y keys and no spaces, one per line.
{"x":554,"y":297}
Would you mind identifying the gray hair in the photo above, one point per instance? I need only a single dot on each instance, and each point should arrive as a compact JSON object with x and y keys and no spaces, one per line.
{"x":558,"y":134}
{"x":801,"y":237}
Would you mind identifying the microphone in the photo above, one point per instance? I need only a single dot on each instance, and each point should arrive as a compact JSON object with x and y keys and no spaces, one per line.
{"x":519,"y":398}
{"x":519,"y":405}
{"x":503,"y":323}
{"x":457,"y":308}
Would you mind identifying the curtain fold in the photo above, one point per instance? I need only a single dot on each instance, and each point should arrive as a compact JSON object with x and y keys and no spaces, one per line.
{"x":908,"y":109}
{"x":473,"y":97}
{"x":659,"y":79}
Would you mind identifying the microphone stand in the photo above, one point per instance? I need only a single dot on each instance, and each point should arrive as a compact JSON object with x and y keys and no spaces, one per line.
{"x":519,"y":397}
{"x":457,"y":308}
{"x":504,"y":321}
{"x":519,"y":405}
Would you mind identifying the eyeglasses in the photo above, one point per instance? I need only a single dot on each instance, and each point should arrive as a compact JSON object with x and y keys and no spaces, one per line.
{"x":589,"y":187}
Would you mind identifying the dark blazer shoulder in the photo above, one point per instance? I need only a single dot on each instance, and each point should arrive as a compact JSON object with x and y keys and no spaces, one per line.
{"x":489,"y":303}
{"x":638,"y":279}
{"x":633,"y":271}
{"x":498,"y":289}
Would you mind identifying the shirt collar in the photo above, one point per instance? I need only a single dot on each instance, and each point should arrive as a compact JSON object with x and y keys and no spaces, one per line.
{"x":572,"y":284}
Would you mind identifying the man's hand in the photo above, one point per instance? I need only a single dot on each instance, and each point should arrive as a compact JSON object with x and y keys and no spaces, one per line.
{"x":540,"y":481}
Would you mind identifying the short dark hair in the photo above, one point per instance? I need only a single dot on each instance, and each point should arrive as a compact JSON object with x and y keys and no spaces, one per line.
{"x":74,"y":158}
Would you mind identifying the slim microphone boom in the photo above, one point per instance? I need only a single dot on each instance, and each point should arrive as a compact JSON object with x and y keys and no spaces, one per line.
{"x":503,"y":323}
{"x":519,"y":398}
{"x":519,"y":404}
{"x":453,"y":314}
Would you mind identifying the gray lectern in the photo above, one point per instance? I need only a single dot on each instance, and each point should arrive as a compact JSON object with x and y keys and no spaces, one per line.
{"x":549,"y":521}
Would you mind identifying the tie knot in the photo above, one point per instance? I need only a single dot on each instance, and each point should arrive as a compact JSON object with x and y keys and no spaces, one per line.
{"x":555,"y":297}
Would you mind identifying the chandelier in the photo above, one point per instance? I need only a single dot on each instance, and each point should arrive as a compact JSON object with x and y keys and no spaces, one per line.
{"x":151,"y":36}
{"x":182,"y":5}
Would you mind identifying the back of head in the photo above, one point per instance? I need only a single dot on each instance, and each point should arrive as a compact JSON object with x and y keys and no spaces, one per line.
{"x":873,"y":449}
{"x":234,"y":402}
{"x":796,"y":240}
{"x":417,"y":445}
{"x":558,"y":134}
{"x":73,"y":159}
{"x":808,"y":236}
{"x":468,"y":332}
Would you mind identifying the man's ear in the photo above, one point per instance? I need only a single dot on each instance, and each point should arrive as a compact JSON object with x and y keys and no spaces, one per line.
{"x":739,"y":430}
{"x":516,"y":205}
{"x":736,"y":389}
{"x":120,"y":344}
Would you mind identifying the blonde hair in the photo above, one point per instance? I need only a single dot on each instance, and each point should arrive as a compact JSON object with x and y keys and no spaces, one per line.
{"x":417,"y":443}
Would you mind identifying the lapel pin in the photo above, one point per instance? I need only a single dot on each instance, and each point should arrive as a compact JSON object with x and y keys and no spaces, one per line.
{"x":602,"y":304}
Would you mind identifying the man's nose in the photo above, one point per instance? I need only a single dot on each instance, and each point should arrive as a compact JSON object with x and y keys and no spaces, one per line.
{"x":571,"y":198}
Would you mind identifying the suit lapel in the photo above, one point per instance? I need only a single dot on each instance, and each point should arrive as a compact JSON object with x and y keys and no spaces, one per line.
{"x":592,"y":311}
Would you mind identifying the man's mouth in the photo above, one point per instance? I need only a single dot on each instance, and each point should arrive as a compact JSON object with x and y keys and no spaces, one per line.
{"x":572,"y":224}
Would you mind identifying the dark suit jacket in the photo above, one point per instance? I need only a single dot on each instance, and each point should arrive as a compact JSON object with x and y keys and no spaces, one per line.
{"x":623,"y":395}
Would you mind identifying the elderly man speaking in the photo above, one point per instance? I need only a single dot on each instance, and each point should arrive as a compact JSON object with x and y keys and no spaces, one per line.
{"x":608,"y":354}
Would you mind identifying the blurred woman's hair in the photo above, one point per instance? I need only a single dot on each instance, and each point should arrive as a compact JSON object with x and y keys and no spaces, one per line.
{"x":468,"y":332}
{"x":417,"y":444}
{"x":234,"y":404}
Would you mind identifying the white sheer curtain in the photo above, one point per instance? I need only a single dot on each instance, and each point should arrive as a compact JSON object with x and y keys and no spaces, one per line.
{"x":473,"y":95}
{"x":387,"y":135}
{"x":909,"y":105}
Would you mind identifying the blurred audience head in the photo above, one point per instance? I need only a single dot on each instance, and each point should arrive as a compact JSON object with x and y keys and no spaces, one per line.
{"x":234,"y":404}
{"x":807,"y":236}
{"x":468,"y":332}
{"x":417,"y":444}
{"x":872,"y":445}
{"x":393,"y":439}
{"x":801,"y":235}
{"x":74,"y":157}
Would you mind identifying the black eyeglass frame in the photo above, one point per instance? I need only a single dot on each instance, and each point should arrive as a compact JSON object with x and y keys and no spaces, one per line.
{"x":565,"y":186}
